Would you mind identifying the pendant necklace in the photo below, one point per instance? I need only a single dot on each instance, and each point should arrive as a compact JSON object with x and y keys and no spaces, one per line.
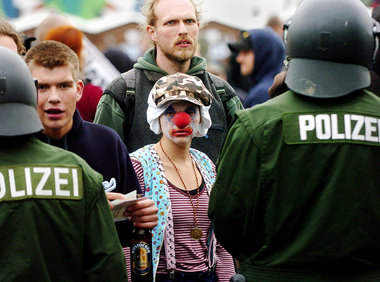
{"x":196,"y":232}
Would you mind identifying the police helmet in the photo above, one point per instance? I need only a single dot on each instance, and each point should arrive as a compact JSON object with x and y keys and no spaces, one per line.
{"x":330,"y":46}
{"x":18,"y":96}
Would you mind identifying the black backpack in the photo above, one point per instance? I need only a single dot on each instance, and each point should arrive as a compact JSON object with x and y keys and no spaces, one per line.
{"x":126,"y":99}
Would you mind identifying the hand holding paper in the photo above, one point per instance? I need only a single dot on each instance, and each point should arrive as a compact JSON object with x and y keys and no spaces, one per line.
{"x":142,"y":211}
{"x":120,"y":205}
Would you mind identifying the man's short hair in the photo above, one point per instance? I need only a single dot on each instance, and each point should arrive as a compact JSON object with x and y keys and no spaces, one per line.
{"x":68,"y":35}
{"x":7,"y":29}
{"x":51,"y":54}
{"x":274,"y":21}
{"x":147,"y":9}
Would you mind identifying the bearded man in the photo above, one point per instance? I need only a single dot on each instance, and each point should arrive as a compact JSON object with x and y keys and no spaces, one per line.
{"x":173,"y":27}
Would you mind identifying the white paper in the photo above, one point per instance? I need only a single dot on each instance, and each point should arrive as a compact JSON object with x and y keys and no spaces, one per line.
{"x":121,"y":205}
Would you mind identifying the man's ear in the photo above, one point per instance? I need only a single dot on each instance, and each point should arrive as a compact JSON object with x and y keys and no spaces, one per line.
{"x":80,"y":87}
{"x":151,"y":31}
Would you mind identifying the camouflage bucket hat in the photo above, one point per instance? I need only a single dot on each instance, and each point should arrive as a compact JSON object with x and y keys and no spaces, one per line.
{"x":180,"y":86}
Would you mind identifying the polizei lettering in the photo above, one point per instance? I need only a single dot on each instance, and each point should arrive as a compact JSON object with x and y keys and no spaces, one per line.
{"x":326,"y":126}
{"x":331,"y":127}
{"x":22,"y":182}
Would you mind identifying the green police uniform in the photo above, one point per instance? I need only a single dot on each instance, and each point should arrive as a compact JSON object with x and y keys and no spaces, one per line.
{"x":55,"y":222}
{"x":297,"y":194}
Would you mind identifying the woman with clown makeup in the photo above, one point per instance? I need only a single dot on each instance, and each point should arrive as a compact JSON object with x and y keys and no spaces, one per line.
{"x":179,"y":180}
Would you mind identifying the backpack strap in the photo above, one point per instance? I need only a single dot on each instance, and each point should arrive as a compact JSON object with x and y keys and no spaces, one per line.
{"x":130,"y":81}
{"x":231,"y":102}
{"x":219,"y":87}
{"x":125,"y":97}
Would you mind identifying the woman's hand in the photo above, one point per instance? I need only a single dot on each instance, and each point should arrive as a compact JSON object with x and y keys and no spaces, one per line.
{"x":113,"y":196}
{"x":143,"y":214}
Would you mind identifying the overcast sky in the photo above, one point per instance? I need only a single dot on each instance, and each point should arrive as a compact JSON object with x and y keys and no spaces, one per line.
{"x":245,"y":14}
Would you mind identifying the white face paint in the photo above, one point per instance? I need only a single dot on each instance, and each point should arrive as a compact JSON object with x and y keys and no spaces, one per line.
{"x":171,"y":131}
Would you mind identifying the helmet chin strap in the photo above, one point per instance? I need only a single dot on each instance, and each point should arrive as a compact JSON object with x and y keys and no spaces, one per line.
{"x":181,"y":119}
{"x":376,"y":35}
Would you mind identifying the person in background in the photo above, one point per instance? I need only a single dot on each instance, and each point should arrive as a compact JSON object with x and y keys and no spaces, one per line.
{"x":98,"y":70}
{"x":375,"y":71}
{"x":179,"y":179}
{"x":260,"y":54}
{"x":51,"y":201}
{"x":173,"y":27}
{"x":10,"y":38}
{"x":73,"y":38}
{"x":218,"y":69}
{"x":297,"y":193}
{"x":275,"y":23}
{"x":119,"y":59}
{"x":51,"y":21}
{"x":56,"y":68}
{"x":238,"y":82}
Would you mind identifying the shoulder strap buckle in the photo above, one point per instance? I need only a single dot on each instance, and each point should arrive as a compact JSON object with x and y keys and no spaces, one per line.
{"x":171,"y":274}
{"x":130,"y":81}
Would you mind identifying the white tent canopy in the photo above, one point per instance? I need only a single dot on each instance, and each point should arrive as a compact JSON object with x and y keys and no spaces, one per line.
{"x":240,"y":14}
{"x":247,"y":14}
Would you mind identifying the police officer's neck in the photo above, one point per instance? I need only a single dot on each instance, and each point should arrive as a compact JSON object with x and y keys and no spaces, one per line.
{"x":14,"y":141}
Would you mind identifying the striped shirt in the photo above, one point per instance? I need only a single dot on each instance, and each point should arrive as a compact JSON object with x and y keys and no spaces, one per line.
{"x":183,"y":221}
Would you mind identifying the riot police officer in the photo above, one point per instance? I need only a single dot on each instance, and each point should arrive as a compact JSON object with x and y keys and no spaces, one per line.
{"x":55,"y":221}
{"x":297,"y":193}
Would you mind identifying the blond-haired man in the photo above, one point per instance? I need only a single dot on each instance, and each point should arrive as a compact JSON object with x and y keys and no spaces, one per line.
{"x":173,"y":27}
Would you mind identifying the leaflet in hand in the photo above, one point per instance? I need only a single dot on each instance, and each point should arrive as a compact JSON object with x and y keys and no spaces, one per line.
{"x":121,"y":205}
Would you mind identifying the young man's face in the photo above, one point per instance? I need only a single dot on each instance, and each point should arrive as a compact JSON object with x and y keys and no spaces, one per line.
{"x":176,"y":31}
{"x":58,"y":94}
{"x":246,"y":59}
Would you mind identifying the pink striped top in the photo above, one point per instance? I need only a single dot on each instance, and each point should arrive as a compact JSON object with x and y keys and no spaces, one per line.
{"x":191,"y":255}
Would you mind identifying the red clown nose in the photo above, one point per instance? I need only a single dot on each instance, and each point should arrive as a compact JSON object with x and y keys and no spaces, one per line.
{"x":181,"y":119}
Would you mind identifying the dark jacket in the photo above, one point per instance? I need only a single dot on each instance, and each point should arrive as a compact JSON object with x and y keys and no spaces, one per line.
{"x":102,"y":149}
{"x":51,"y":229}
{"x":297,"y":191}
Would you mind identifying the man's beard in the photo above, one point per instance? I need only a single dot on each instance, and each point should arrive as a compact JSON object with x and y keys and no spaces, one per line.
{"x":179,"y":57}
